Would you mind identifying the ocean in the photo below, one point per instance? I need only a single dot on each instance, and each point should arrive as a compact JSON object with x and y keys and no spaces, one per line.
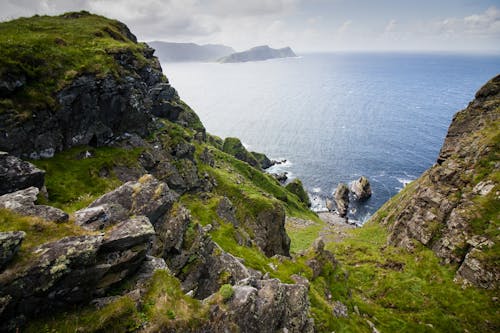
{"x":335,"y":117}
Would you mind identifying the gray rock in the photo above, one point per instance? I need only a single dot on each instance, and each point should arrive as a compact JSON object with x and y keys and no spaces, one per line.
{"x":361,"y":188}
{"x":342,"y":199}
{"x":226,"y":211}
{"x":340,"y":310}
{"x":23,"y":202}
{"x":10,"y":242}
{"x":101,"y":216}
{"x":474,"y":271}
{"x":127,"y":234}
{"x":264,"y":306}
{"x":147,"y":196}
{"x":16,"y":174}
{"x":330,"y":205}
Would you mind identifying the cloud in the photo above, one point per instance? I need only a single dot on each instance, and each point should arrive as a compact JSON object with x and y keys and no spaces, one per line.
{"x":344,"y":27}
{"x":391,"y":26}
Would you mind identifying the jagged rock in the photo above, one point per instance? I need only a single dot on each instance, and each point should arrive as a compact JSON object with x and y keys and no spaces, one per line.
{"x":361,"y":188}
{"x":330,"y":205}
{"x":281,"y":177}
{"x":296,"y":187}
{"x":207,"y":157}
{"x":263,"y":306}
{"x":170,"y":231}
{"x":74,"y":270}
{"x":147,"y":196}
{"x":443,"y":209}
{"x":269,"y":231}
{"x":16,"y":174}
{"x":263,"y":160}
{"x":226,"y":211}
{"x":23,"y":202}
{"x":342,"y":199}
{"x":321,"y":258}
{"x":473,"y":271}
{"x":100,"y":216}
{"x":234,"y":147}
{"x":10,"y":242}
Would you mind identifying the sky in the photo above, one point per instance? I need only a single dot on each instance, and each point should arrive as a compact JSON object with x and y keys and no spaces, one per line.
{"x":305,"y":25}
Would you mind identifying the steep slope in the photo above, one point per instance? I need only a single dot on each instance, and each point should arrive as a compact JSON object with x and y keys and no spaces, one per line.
{"x":157,"y":213}
{"x":454,"y":207}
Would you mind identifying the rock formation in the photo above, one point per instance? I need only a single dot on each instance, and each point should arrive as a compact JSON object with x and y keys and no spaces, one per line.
{"x":342,"y":199}
{"x":17,"y":174}
{"x":361,"y":188}
{"x":453,"y":207}
{"x":296,"y":187}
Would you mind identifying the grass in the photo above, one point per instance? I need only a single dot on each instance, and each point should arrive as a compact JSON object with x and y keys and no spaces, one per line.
{"x":163,"y":307}
{"x":410,"y":292}
{"x":74,"y":182}
{"x":37,"y":231}
{"x":50,"y":51}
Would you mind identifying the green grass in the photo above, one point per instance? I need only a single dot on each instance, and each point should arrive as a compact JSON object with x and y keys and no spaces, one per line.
{"x":410,"y":292}
{"x":73,"y":182}
{"x":50,"y":51}
{"x":37,"y":231}
{"x":163,"y":307}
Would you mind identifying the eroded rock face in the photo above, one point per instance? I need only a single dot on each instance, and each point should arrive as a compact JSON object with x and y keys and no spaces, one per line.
{"x":74,"y":270}
{"x":342,"y":199}
{"x":10,"y":242}
{"x":443,"y":209}
{"x":16,"y":174}
{"x":147,"y":196}
{"x":361,"y":188}
{"x":264,"y":306}
{"x":94,"y":110}
{"x":23,"y":202}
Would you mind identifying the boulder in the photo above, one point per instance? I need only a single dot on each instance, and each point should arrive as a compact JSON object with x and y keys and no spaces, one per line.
{"x":16,"y":174}
{"x":263,"y":306}
{"x":23,"y":202}
{"x":474,"y":271}
{"x":281,"y":177}
{"x":74,"y":270}
{"x":361,"y":188}
{"x":147,"y":196}
{"x":10,"y":242}
{"x":100,"y":216}
{"x":342,"y":199}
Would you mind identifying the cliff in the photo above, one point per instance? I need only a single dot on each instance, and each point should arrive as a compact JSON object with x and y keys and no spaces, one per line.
{"x":180,"y":52}
{"x":128,"y":214}
{"x":454,"y":207}
{"x":258,"y":53}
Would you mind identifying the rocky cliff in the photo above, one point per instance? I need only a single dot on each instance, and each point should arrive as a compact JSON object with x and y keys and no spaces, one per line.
{"x":454,"y":207}
{"x":126,"y":214}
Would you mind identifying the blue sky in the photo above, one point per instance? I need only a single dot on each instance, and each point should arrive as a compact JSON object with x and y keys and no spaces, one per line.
{"x":305,"y":25}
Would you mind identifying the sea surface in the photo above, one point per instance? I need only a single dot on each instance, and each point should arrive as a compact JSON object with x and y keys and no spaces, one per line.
{"x":335,"y":117}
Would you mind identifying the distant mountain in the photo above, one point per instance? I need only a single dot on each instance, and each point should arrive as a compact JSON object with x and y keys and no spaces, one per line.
{"x":258,"y":53}
{"x":178,"y":52}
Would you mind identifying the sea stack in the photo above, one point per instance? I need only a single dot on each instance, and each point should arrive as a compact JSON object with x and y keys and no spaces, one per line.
{"x":361,"y":188}
{"x":342,"y":199}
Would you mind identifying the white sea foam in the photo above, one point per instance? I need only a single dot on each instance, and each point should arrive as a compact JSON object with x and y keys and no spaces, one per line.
{"x":316,"y":189}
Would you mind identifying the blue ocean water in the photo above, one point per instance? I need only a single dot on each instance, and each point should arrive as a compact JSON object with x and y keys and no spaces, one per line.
{"x":335,"y":117}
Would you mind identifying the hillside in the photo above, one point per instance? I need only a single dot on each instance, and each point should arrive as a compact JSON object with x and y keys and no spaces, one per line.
{"x":180,"y":52}
{"x":119,"y":213}
{"x":258,"y":53}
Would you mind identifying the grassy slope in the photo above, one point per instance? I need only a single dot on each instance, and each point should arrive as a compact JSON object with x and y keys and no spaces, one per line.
{"x":50,"y":57}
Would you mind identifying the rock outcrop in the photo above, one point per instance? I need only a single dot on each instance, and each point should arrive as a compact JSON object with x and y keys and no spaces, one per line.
{"x":361,"y":188}
{"x":234,"y":147}
{"x":263,"y":306}
{"x":342,"y":199}
{"x":95,"y":109}
{"x":73,"y":270}
{"x":453,"y":207}
{"x":9,"y":245}
{"x":16,"y":174}
{"x":296,"y":187}
{"x":23,"y":202}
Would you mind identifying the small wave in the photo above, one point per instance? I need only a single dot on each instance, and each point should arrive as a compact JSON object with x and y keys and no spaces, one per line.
{"x":316,"y":189}
{"x":318,"y":203}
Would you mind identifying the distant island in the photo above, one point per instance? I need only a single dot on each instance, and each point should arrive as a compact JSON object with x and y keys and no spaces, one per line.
{"x":258,"y":53}
{"x":180,"y":52}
